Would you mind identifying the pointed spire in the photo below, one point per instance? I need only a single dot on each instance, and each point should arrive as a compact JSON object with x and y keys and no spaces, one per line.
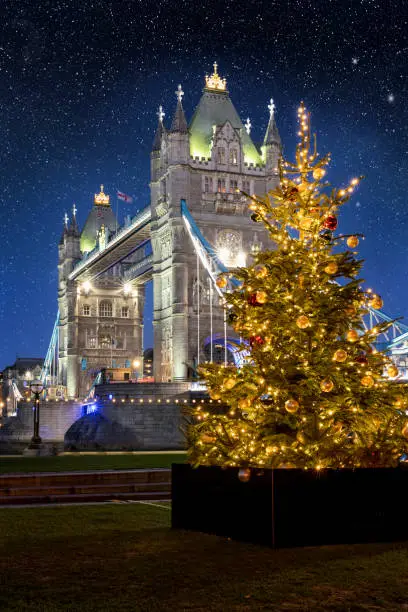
{"x":272,"y":134}
{"x":179,"y":123}
{"x":74,"y":225}
{"x":248,"y":126}
{"x":65,"y":230}
{"x":160,"y":130}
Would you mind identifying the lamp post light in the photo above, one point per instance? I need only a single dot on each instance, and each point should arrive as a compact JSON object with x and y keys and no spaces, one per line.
{"x":36,"y":387}
{"x":136,"y":365}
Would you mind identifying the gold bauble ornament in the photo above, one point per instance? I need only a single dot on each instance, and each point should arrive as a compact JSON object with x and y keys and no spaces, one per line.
{"x":215,"y":395}
{"x":221,"y":282}
{"x":318,"y":174}
{"x":230,"y":383}
{"x":207,"y":439}
{"x":291,"y":405}
{"x":244,"y":474}
{"x":405,"y":430}
{"x":251,"y":387}
{"x":261,"y":297}
{"x":306,"y":223}
{"x":340,"y":355}
{"x":244,"y":403}
{"x":376,"y":302}
{"x":352,"y":242}
{"x":367,"y":381}
{"x":350,"y":311}
{"x":303,"y":322}
{"x":326,"y":385}
{"x":261,"y":271}
{"x":352,"y":335}
{"x":331,"y":268}
{"x":302,"y":186}
{"x":301,"y":437}
{"x":392,"y":371}
{"x":337,"y":427}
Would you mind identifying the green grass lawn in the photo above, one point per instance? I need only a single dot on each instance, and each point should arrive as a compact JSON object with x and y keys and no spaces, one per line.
{"x":124,"y":557}
{"x":67,"y":463}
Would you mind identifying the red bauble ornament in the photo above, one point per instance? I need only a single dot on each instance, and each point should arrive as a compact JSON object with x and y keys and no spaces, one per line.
{"x":291,"y":193}
{"x":256,"y":340}
{"x":330,"y":222}
{"x":253,"y":301}
{"x":361,"y":359}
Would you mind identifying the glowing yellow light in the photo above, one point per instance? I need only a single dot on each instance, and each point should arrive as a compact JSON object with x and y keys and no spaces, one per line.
{"x":214,"y":81}
{"x":101,"y":199}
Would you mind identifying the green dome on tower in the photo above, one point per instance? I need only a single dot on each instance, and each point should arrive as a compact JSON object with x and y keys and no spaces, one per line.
{"x":215,"y":108}
{"x":101,"y":214}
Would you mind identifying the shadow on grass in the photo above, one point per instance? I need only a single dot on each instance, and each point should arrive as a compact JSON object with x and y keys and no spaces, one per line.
{"x":127,"y":558}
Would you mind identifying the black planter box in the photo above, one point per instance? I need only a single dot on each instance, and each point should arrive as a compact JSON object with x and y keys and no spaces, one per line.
{"x":288,"y":507}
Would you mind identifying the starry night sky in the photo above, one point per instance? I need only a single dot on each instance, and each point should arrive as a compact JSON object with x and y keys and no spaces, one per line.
{"x":80,"y":83}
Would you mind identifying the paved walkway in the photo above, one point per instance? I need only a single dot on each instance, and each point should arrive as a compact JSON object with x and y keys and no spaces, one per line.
{"x":111,"y":453}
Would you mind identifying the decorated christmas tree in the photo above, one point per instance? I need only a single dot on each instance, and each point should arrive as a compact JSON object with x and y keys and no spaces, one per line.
{"x":314,"y":392}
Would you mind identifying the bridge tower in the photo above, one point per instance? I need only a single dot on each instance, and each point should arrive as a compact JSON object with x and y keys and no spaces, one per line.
{"x":69,"y":254}
{"x":205,"y":163}
{"x":101,"y":315}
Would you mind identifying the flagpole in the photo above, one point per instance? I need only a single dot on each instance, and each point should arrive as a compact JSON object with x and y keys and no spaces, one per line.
{"x":117,"y":209}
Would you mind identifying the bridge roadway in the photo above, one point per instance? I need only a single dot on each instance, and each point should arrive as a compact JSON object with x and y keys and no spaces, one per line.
{"x":129,"y":239}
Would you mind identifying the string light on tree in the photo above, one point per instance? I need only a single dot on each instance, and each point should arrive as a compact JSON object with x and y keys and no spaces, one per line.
{"x":311,"y":392}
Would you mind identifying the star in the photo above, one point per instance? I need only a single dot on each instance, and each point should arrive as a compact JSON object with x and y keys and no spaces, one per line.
{"x":391,"y":98}
{"x":354,"y":60}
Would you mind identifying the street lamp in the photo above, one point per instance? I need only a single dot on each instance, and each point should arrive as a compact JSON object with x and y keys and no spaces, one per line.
{"x":36,"y":387}
{"x":136,"y":365}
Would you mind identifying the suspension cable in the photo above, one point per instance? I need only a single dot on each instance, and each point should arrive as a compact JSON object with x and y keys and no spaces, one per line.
{"x":198,"y":310}
{"x":211,"y":319}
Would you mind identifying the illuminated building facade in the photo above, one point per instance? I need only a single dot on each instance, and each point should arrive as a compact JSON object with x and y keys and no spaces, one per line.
{"x":207,"y":162}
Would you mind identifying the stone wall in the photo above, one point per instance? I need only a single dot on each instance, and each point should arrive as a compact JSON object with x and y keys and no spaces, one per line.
{"x":131,"y":416}
{"x":55,"y":419}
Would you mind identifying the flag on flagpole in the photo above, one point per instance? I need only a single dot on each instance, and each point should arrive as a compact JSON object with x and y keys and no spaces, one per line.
{"x":124,"y":197}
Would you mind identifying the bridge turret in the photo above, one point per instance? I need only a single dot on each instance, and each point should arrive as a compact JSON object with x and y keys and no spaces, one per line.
{"x":157,"y":156}
{"x":68,"y":249}
{"x":272,"y":147}
{"x":178,"y":138}
{"x":68,"y":255}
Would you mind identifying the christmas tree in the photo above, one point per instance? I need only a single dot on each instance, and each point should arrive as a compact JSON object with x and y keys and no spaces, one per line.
{"x":314,"y":392}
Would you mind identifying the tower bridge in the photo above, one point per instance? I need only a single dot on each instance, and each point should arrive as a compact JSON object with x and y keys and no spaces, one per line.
{"x":195,"y":226}
{"x":103,"y":270}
